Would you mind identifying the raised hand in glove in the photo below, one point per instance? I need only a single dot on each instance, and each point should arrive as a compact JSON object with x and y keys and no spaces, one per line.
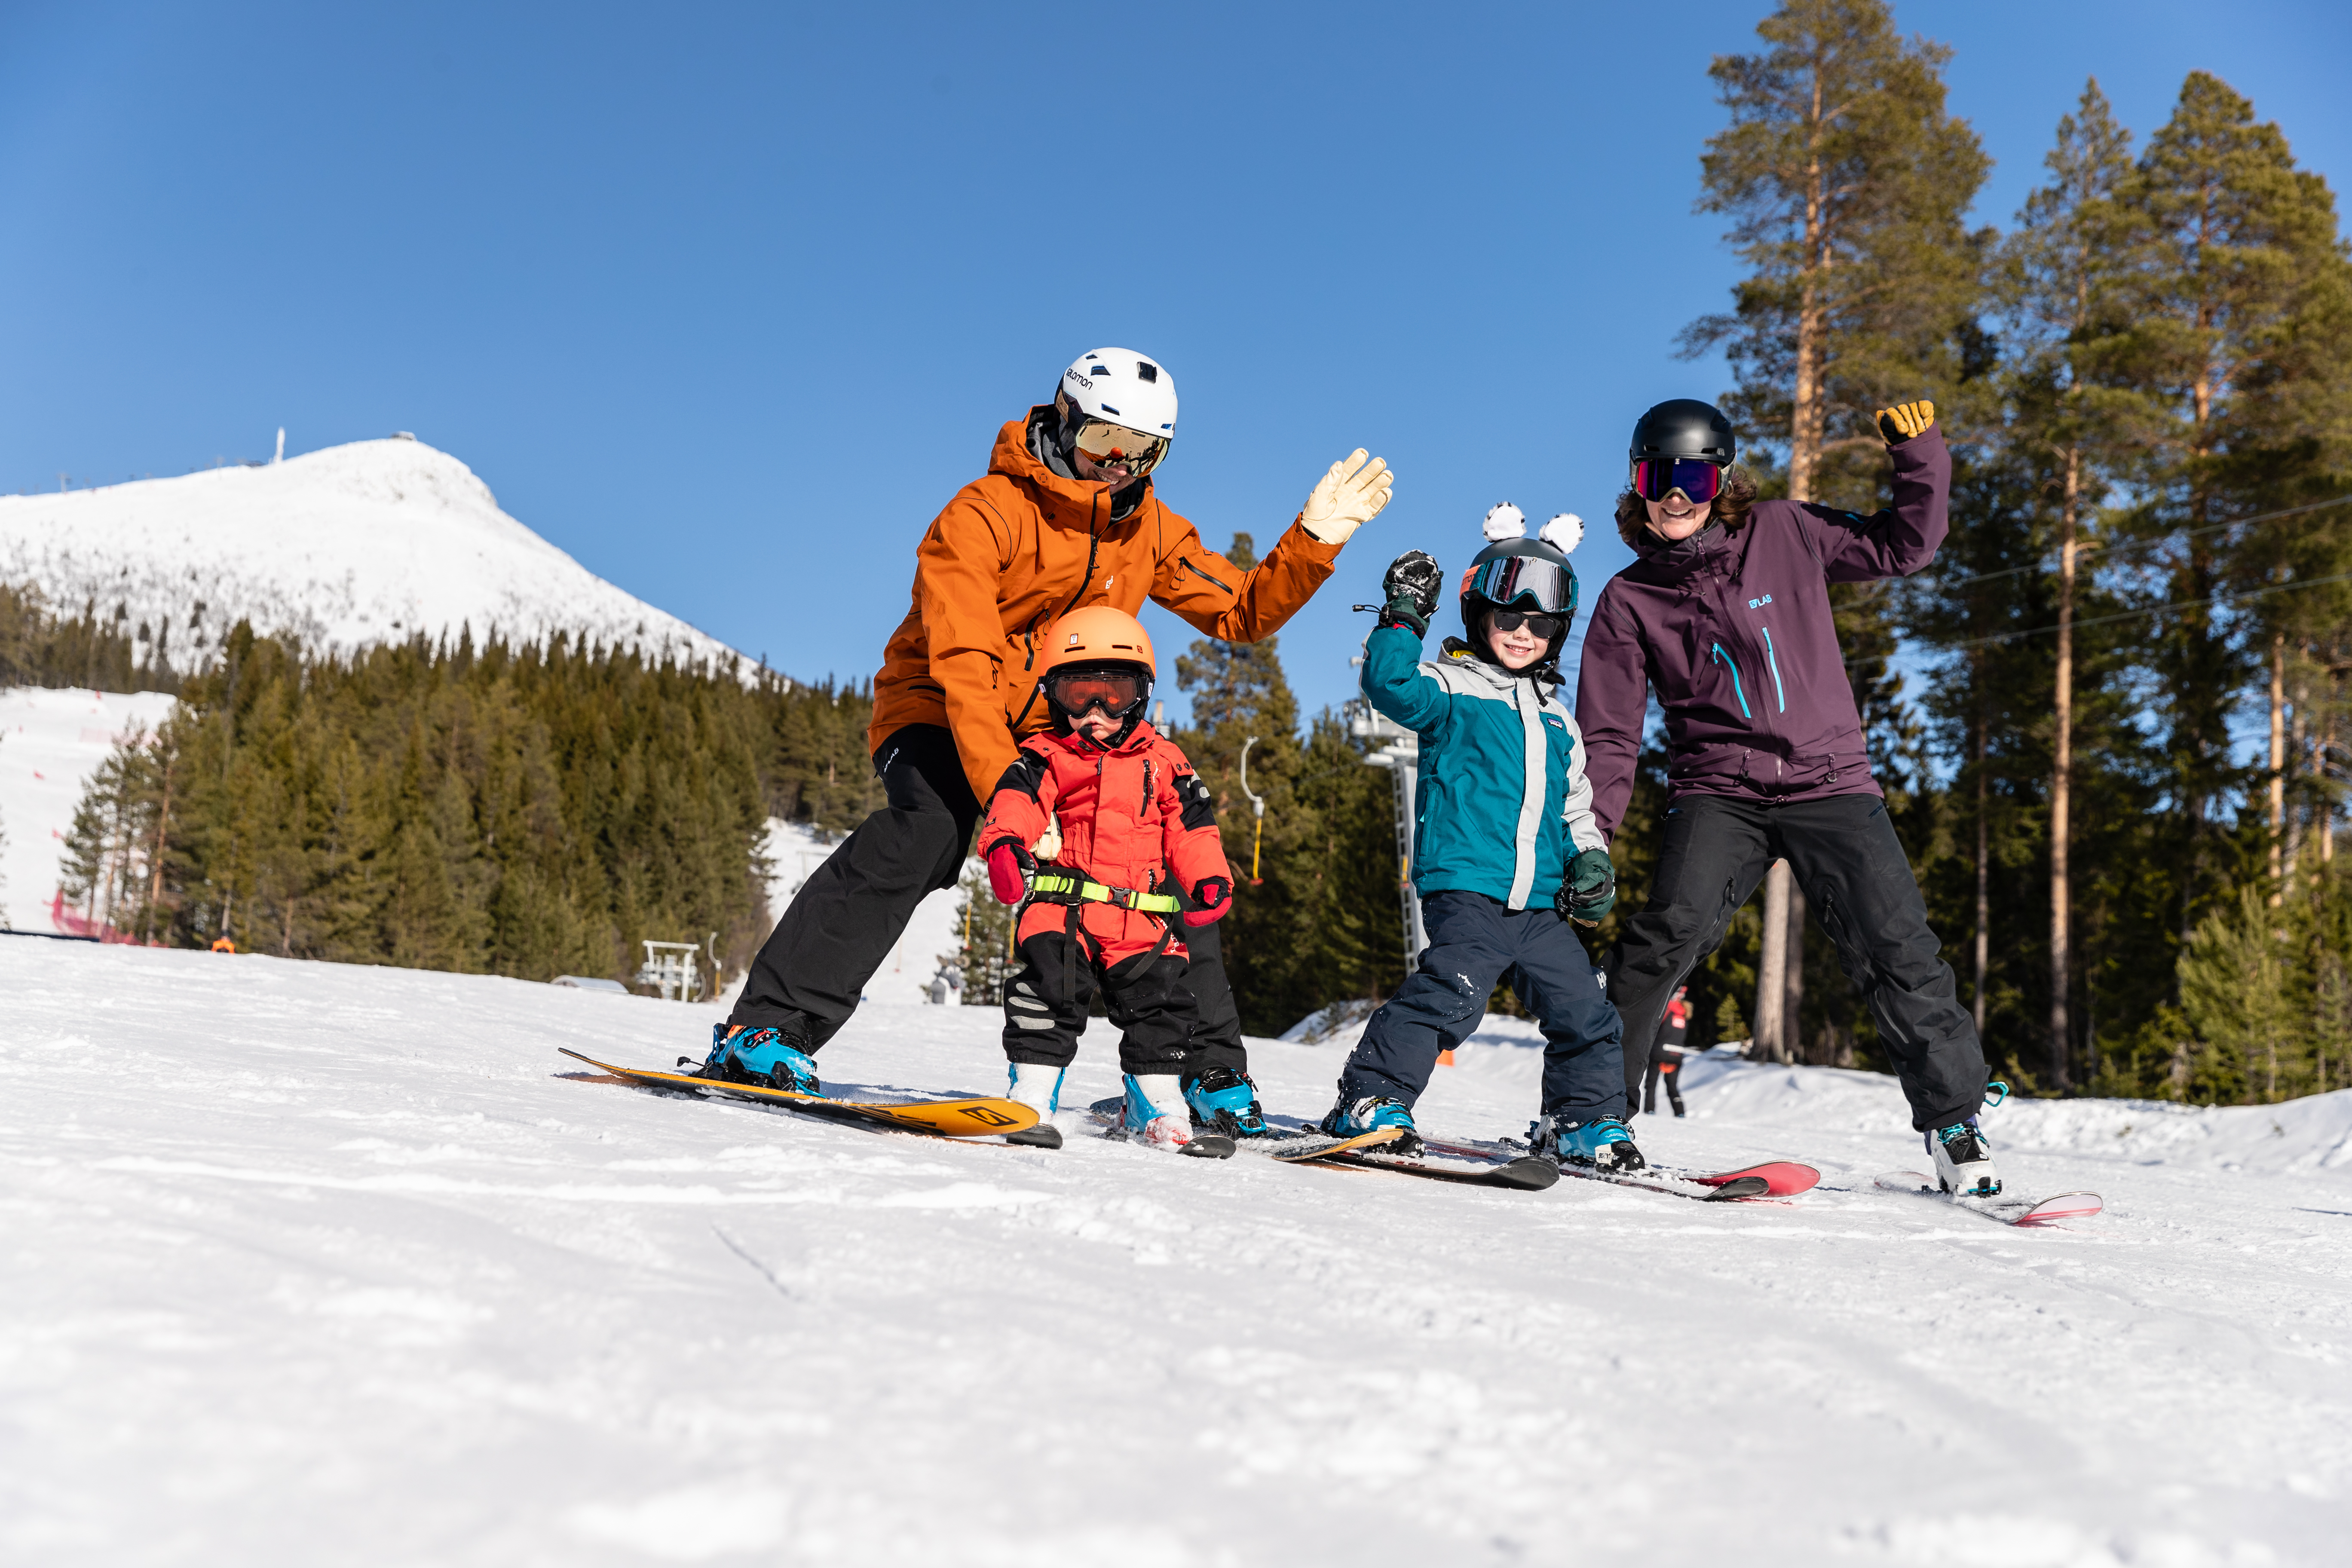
{"x":1215,"y":896}
{"x":1589,"y":891}
{"x":1904,"y":420}
{"x":1346,"y":497}
{"x":1010,"y":869}
{"x":1411,"y":585}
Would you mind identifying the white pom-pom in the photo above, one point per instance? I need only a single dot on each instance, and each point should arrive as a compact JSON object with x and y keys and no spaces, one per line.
{"x":1506,"y":521}
{"x":1563,"y":533}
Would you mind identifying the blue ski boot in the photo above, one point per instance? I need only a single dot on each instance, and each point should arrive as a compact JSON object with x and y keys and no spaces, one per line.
{"x":765,"y":1056}
{"x":1603,"y":1143}
{"x":1964,"y":1161}
{"x":1038,"y":1087}
{"x":1223,"y":1100}
{"x":1354,"y":1118}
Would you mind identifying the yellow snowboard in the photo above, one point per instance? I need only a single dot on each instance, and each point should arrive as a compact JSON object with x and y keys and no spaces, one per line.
{"x":978,"y":1116}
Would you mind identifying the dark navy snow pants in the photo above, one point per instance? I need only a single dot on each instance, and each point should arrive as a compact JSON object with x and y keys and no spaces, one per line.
{"x":1474,"y":941}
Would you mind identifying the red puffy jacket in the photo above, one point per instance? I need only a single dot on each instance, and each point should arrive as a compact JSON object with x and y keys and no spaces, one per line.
{"x":1129,"y":815}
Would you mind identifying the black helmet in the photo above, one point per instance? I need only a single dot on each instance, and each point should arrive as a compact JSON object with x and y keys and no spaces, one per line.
{"x":1516,"y":573}
{"x":1684,"y":428}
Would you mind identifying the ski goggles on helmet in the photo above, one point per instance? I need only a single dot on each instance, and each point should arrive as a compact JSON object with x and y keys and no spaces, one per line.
{"x":1117,"y":692}
{"x":1104,"y":442}
{"x":1655,"y":479}
{"x":1543,"y":628}
{"x":1508,"y":578}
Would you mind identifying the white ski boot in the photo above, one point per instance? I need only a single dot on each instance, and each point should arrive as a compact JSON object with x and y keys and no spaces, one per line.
{"x":1156,"y":1116}
{"x":1964,"y":1164}
{"x":1039,"y":1087}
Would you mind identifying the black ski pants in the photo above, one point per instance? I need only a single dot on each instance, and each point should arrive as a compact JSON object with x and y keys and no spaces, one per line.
{"x":1851,"y":869}
{"x":1474,"y":941}
{"x":1148,"y":996}
{"x":1667,"y":1067}
{"x":812,"y":971}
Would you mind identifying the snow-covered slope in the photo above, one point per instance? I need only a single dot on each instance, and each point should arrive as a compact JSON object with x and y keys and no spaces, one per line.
{"x":316,"y":1264}
{"x":352,"y":545}
{"x":50,"y":743}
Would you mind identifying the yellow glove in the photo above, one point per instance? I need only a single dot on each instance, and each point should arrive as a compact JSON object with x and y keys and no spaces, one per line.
{"x":1906,"y":420}
{"x":1346,"y":497}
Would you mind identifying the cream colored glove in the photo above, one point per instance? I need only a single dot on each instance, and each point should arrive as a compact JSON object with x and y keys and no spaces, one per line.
{"x":1346,"y":497}
{"x":1049,"y":847}
{"x":1904,"y":420}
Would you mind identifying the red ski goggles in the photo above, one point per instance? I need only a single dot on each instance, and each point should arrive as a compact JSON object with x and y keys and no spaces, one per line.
{"x":1117,"y":692}
{"x":1104,"y":442}
{"x":1655,"y":479}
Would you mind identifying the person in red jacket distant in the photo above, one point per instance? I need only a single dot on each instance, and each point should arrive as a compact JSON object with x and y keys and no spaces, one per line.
{"x":1666,"y":1056}
{"x":1120,"y":821}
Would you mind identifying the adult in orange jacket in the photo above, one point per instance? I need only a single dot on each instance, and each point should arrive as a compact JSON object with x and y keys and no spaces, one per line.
{"x":1066,"y":518}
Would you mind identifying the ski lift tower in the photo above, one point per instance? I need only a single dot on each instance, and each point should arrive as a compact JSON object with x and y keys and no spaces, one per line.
{"x":670,"y":969}
{"x":1399,"y":751}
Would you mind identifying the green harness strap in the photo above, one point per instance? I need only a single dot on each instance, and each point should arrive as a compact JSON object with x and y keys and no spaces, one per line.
{"x":1060,"y":887}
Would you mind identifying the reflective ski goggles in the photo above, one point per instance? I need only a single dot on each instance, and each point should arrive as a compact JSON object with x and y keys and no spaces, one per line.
{"x":1507,"y":578}
{"x":1655,"y":479}
{"x":1117,"y":692}
{"x":1543,"y":628}
{"x":1104,"y":442}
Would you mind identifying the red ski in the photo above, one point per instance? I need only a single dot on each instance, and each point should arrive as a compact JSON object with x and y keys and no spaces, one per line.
{"x":2005,"y":1210}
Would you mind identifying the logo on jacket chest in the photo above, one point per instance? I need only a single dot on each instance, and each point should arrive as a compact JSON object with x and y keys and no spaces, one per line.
{"x":1760,"y":603}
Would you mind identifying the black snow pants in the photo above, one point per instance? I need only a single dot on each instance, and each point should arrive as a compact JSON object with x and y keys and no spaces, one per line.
{"x":1474,"y":941}
{"x":1148,"y":997}
{"x":813,"y":970}
{"x":1851,"y":869}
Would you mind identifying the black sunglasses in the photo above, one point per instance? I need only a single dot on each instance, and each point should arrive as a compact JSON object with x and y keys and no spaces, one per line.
{"x":1545,"y":627}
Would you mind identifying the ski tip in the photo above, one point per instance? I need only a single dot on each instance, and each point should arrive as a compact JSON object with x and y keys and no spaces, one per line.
{"x":1736,"y":1187}
{"x":1210,"y":1146}
{"x":1528,"y":1173}
{"x":2066,"y":1205}
{"x":1781,"y":1178}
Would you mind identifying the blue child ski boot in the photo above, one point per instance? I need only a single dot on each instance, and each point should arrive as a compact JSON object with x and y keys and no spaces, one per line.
{"x":765,"y":1056}
{"x":1039,"y":1087}
{"x":1603,"y":1143}
{"x":1354,"y":1118}
{"x":1963,"y":1157}
{"x":1223,"y":1100}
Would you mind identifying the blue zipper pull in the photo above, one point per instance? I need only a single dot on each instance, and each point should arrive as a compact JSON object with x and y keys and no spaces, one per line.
{"x":1772,"y":660}
{"x":1724,"y":659}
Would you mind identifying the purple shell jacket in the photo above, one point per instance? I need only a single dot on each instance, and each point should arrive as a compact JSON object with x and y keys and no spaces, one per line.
{"x":1734,"y":632}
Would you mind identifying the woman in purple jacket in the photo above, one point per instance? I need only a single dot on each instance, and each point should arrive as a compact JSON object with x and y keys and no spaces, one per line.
{"x":1727,"y":616}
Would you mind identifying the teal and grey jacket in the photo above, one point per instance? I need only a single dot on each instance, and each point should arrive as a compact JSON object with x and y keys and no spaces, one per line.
{"x":1503,"y":803}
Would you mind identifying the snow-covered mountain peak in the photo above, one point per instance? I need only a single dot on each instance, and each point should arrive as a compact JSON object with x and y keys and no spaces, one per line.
{"x":349,"y":546}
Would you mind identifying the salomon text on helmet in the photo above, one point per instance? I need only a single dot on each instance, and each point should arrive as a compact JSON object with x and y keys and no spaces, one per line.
{"x":1116,"y":405}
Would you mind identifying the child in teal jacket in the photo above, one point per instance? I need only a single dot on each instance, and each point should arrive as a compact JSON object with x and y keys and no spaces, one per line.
{"x":1506,"y":850}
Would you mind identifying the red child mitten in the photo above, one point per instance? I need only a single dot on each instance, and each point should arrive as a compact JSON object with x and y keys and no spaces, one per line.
{"x":1215,"y":896}
{"x":1010,"y":869}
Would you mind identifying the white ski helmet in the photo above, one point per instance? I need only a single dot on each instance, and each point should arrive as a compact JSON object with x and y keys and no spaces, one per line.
{"x":1122,"y":387}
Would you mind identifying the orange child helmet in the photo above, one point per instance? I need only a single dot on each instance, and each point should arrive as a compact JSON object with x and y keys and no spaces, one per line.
{"x":1098,"y":657}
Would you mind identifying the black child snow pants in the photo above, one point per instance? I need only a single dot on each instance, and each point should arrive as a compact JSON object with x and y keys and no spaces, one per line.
{"x":1474,"y":941}
{"x":1851,"y":869}
{"x":1148,"y":994}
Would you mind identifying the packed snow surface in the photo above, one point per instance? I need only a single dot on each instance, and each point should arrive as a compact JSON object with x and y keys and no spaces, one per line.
{"x":350,"y":546}
{"x":50,"y":743}
{"x":319,"y":1264}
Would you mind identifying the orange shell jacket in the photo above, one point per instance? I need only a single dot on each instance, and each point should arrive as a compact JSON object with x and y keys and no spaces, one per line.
{"x":1021,"y":547}
{"x":1129,"y":815}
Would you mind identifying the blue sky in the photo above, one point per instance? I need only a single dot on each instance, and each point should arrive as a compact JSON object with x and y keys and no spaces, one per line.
{"x":727,"y":300}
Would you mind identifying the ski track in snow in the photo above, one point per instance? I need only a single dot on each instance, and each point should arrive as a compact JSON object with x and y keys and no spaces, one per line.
{"x":316,"y":1263}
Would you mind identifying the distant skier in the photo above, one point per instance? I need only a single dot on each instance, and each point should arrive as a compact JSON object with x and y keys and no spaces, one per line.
{"x":1505,"y":851}
{"x":1065,"y":519}
{"x":1666,"y":1057}
{"x":1124,"y":822}
{"x":1725,"y":616}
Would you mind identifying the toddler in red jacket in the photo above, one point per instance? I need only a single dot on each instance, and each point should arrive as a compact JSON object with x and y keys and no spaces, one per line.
{"x":1092,"y":832}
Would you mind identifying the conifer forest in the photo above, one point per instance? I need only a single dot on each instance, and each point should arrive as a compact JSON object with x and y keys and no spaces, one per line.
{"x":2112,"y":718}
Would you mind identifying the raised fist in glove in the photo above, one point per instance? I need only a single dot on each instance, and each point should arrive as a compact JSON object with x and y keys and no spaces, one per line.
{"x":1411,"y":586}
{"x":1010,"y":869}
{"x":1589,"y":891}
{"x":1215,"y":896}
{"x":1346,"y":497}
{"x":1904,"y":420}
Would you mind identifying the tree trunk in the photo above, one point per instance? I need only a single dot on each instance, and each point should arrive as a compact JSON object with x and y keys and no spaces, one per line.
{"x":2062,"y":779}
{"x":2278,"y":766}
{"x":1984,"y":879}
{"x":1792,"y":991}
{"x":1770,"y":1043}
